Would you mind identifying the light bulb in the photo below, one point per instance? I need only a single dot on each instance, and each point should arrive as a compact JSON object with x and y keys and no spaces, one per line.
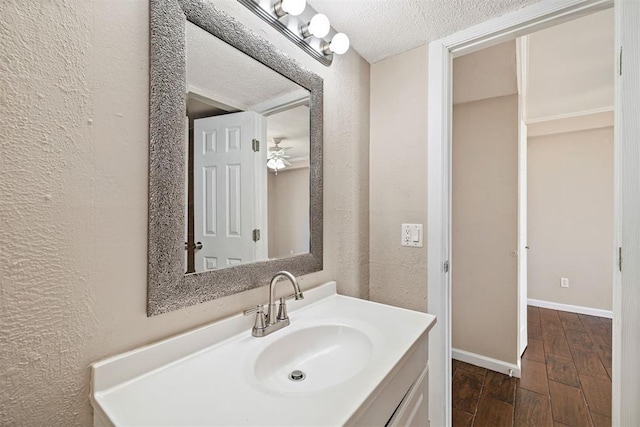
{"x":279,"y":164}
{"x":339,"y":43}
{"x":319,"y":25}
{"x":293,"y":7}
{"x":271,"y":164}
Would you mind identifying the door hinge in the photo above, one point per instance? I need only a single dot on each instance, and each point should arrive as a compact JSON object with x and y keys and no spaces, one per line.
{"x":620,"y":62}
{"x":446,"y":266}
{"x":256,"y":235}
{"x":620,"y":259}
{"x":255,"y":144}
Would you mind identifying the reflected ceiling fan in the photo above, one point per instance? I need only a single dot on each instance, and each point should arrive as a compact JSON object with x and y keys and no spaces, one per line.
{"x":277,"y":156}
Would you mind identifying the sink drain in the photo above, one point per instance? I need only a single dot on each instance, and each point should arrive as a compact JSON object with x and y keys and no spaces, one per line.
{"x":297,"y":375}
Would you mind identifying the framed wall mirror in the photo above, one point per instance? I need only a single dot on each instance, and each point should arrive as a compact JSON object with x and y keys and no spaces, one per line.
{"x":235,"y":158}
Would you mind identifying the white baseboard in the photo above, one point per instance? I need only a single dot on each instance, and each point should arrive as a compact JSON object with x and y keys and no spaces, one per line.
{"x":571,"y":308}
{"x":486,"y":362}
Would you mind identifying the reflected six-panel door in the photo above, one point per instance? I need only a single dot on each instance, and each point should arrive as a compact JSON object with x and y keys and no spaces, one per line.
{"x":229,"y":190}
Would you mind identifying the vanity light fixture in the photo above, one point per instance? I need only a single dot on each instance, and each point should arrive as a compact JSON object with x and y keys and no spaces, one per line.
{"x":302,"y":25}
{"x":339,"y":44}
{"x":319,"y":27}
{"x":291,"y":7}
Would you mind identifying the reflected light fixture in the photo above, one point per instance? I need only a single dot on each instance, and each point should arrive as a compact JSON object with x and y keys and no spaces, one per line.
{"x":302,"y":25}
{"x":277,"y":156}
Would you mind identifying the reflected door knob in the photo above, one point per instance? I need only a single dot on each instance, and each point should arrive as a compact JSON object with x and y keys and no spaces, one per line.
{"x":196,"y":246}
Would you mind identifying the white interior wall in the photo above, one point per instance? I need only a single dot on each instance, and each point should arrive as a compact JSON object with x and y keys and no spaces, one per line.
{"x":570,"y":68}
{"x":73,"y":197}
{"x":288,"y":212}
{"x":486,"y":74}
{"x":485,"y":203}
{"x":485,"y":228}
{"x":570,"y":212}
{"x":569,"y":102}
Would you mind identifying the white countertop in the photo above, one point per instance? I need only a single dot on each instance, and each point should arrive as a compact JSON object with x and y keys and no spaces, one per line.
{"x":216,"y":385}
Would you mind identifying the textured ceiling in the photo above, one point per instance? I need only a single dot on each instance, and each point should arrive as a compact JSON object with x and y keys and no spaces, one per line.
{"x":293,"y":127}
{"x":238,"y":81}
{"x":382,"y":28}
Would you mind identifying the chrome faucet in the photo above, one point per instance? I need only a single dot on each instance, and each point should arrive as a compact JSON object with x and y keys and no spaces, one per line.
{"x":270,"y":322}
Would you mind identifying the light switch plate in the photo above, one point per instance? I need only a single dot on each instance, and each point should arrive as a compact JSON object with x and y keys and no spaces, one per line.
{"x":412,"y":235}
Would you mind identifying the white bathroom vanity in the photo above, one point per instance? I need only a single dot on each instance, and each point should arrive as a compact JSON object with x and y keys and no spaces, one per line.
{"x":362,"y":363}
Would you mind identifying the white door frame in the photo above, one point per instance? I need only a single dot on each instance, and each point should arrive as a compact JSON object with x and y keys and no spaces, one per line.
{"x":626,"y":292}
{"x":522,"y":63}
{"x":441,"y":53}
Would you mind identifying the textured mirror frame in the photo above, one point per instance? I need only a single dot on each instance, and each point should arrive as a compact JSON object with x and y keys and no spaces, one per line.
{"x":168,"y":287}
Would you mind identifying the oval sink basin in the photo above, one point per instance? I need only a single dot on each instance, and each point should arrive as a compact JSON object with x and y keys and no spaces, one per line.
{"x":327,"y":355}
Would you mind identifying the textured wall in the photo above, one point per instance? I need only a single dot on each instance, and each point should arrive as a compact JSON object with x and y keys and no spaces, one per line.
{"x":399,"y":178}
{"x":570,"y":217}
{"x":73,"y":197}
{"x":47,"y":181}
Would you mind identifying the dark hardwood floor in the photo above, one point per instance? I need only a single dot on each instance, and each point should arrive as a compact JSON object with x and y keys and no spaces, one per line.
{"x":566,"y":378}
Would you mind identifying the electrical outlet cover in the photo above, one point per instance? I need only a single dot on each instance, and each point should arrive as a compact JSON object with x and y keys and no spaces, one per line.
{"x":412,"y":235}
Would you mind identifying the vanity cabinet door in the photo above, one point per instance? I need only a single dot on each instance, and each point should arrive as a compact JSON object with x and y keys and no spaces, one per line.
{"x":414,"y":408}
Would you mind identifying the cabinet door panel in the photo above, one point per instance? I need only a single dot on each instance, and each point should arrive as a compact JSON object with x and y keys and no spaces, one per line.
{"x":414,"y":408}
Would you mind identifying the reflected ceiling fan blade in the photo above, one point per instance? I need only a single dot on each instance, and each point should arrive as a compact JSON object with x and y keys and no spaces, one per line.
{"x":276,"y":146}
{"x":277,"y":155}
{"x":272,"y":149}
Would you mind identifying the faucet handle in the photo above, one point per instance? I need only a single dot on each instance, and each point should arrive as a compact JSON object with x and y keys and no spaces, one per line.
{"x":282,"y":311}
{"x":260,"y":317}
{"x":257,"y":308}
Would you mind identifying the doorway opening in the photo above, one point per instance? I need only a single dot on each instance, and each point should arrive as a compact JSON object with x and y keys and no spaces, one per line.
{"x":441,"y":53}
{"x":535,"y":113}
